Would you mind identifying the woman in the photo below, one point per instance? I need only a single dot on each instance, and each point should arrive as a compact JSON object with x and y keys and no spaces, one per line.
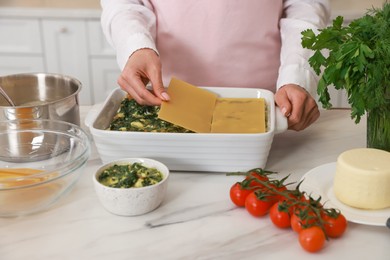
{"x":226,"y":43}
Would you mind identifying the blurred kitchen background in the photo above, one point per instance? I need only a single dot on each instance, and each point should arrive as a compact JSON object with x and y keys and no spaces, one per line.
{"x":64,"y":36}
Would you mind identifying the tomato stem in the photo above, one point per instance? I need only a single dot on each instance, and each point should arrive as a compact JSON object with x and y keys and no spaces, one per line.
{"x":308,"y":209}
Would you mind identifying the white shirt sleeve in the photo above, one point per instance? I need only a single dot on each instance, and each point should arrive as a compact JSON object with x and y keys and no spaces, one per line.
{"x":128,"y":25}
{"x":300,"y":15}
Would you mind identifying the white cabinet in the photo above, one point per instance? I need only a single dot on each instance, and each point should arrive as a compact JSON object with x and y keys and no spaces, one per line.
{"x":98,"y":44}
{"x":10,"y":64}
{"x":20,"y":36}
{"x":105,"y":74}
{"x":20,"y":46}
{"x":66,"y":52}
{"x":105,"y":70}
{"x":72,"y":46}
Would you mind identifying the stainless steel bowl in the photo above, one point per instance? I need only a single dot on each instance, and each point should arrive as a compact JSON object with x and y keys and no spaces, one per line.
{"x":41,"y":96}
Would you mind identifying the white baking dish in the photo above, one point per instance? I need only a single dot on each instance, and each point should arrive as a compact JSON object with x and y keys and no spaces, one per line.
{"x":188,"y":151}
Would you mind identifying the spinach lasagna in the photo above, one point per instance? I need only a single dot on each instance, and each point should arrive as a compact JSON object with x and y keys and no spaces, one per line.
{"x":132,"y":116}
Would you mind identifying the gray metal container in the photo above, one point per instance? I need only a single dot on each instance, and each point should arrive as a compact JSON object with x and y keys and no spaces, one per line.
{"x":41,"y":96}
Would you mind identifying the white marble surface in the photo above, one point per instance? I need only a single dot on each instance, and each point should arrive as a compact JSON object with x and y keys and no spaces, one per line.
{"x":197,"y":219}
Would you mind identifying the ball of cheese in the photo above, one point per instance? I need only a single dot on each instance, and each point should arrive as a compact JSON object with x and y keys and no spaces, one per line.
{"x":362,"y":178}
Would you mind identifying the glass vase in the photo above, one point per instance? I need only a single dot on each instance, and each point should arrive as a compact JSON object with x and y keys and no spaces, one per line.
{"x":378,"y":128}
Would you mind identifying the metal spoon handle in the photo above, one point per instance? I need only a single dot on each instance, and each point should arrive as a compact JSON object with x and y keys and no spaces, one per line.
{"x":6,"y":97}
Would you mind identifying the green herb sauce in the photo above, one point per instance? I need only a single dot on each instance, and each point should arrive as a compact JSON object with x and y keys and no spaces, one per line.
{"x":134,"y":117}
{"x":130,"y":176}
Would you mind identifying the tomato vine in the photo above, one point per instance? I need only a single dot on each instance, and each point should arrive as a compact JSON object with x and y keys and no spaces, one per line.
{"x":260,"y":194}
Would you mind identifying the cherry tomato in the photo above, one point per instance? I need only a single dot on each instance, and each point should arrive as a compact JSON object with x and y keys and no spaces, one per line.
{"x":312,"y":239}
{"x":277,"y":187}
{"x":254,"y":176}
{"x":279,"y":197}
{"x":288,"y":196}
{"x":300,"y":221}
{"x":296,"y":223}
{"x":279,"y":217}
{"x":238,"y":194}
{"x":295,"y":196}
{"x":335,"y":226}
{"x":291,"y":198}
{"x":257,"y":204}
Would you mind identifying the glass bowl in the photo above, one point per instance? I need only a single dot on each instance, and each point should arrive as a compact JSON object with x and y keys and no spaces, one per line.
{"x":40,"y":161}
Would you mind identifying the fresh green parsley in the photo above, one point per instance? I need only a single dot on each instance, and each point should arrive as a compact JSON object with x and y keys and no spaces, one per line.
{"x":354,"y":57}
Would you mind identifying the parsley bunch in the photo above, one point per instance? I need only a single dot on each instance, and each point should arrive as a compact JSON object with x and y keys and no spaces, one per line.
{"x":357,"y":60}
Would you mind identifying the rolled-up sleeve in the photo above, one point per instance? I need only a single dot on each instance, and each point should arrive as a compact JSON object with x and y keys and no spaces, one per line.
{"x":128,"y":25}
{"x":298,"y":16}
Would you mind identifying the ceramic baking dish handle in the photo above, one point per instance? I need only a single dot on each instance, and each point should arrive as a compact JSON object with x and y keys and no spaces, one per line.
{"x":281,"y":123}
{"x":92,"y":114}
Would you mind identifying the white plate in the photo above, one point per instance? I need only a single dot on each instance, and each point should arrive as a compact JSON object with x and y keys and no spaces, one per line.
{"x":319,"y":182}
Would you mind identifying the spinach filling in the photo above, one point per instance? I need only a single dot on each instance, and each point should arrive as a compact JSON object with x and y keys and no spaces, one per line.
{"x":138,"y":118}
{"x":130,"y":176}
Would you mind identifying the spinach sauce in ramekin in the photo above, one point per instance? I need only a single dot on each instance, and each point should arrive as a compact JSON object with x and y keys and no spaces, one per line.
{"x":133,"y":175}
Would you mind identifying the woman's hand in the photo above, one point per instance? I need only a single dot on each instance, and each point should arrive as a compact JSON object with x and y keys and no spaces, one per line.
{"x":297,"y":105}
{"x":142,"y":67}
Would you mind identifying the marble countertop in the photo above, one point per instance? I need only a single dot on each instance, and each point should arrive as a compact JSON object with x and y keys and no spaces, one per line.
{"x":197,"y":219}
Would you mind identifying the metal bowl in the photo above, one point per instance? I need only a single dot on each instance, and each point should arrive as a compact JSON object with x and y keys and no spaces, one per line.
{"x":41,"y":96}
{"x":40,"y":160}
